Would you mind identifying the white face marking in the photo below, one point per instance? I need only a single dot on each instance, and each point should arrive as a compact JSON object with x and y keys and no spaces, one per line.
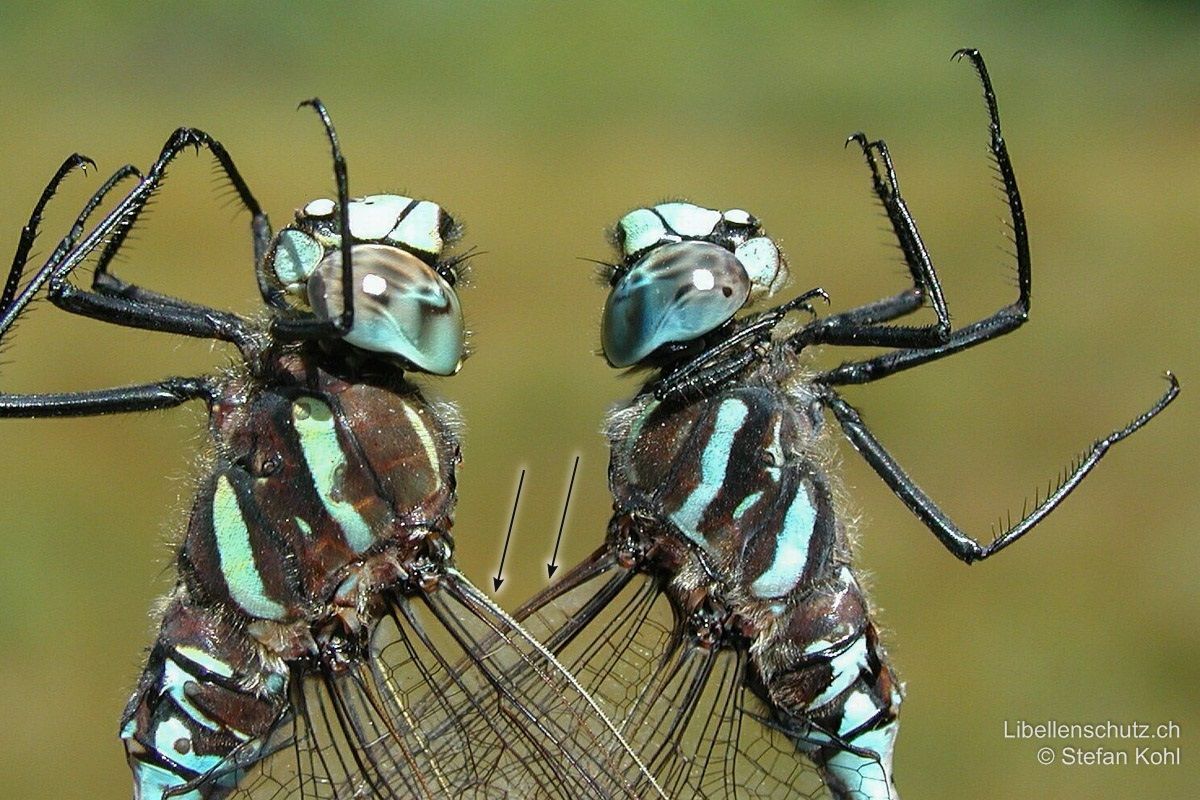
{"x":420,"y":228}
{"x":642,"y":229}
{"x":374,"y":285}
{"x":689,"y":220}
{"x":703,"y":279}
{"x":373,"y":217}
{"x":738,"y":217}
{"x":295,"y":256}
{"x":320,"y":208}
{"x":763,"y":264}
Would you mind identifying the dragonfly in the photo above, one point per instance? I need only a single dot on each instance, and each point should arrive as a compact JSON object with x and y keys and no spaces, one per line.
{"x":722,"y":624}
{"x":319,"y":641}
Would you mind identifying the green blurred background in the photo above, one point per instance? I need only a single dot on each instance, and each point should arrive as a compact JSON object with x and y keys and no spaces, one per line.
{"x":539,"y":125}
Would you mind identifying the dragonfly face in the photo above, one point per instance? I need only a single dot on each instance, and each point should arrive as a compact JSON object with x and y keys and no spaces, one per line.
{"x":319,"y":641}
{"x":685,"y":272}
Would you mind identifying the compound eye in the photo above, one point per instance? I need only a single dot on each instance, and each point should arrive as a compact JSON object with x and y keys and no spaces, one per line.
{"x":401,"y":306}
{"x":677,"y":293}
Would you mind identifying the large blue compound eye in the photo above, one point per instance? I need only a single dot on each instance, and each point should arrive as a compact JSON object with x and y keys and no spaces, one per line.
{"x":401,"y":306}
{"x":677,"y":293}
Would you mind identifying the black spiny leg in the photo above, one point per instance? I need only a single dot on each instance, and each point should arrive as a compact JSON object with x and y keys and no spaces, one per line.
{"x":161,"y":394}
{"x":30,"y":231}
{"x":710,"y":369}
{"x":310,"y":326}
{"x":1008,"y":318}
{"x":13,"y":303}
{"x":862,"y":325}
{"x":956,"y":541}
{"x":117,"y":302}
{"x":166,"y":393}
{"x":858,"y":326}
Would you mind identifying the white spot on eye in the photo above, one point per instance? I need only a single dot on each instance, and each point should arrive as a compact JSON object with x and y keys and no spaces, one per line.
{"x":703,"y":279}
{"x":374,"y":285}
{"x":320,"y":208}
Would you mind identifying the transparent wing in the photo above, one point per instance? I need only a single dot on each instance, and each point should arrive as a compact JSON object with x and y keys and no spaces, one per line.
{"x":431,"y":712}
{"x":687,"y":710}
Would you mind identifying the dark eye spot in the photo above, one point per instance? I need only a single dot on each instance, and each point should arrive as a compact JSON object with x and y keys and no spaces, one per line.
{"x":726,"y":290}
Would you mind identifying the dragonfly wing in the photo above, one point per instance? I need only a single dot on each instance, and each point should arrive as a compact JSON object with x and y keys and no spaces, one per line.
{"x":689,"y":711}
{"x":433,"y":712}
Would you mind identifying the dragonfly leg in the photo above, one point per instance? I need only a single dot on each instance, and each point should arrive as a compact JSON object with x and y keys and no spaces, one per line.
{"x":166,"y":393}
{"x":948,"y":533}
{"x":1008,"y":318}
{"x":12,"y":303}
{"x":116,"y":301}
{"x":180,"y":140}
{"x":309,"y":326}
{"x":863,"y":325}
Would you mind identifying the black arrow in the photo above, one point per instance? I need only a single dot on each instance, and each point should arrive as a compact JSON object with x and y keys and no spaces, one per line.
{"x":552,"y":566}
{"x":496,"y":581}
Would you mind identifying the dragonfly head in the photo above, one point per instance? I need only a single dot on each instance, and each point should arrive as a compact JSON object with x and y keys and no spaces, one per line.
{"x":684,"y":272}
{"x":405,"y":305}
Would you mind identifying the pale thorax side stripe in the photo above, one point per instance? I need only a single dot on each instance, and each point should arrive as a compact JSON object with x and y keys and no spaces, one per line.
{"x":422,"y":430}
{"x":314,"y":423}
{"x":791,"y":548}
{"x":714,"y":462}
{"x":235,"y":554}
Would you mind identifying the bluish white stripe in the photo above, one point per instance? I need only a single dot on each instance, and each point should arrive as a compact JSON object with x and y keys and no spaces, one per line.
{"x":174,"y":679}
{"x":846,"y":667}
{"x":314,"y":423}
{"x":714,"y":462}
{"x":205,"y":660}
{"x":791,"y":549}
{"x":422,"y":430}
{"x":172,"y":731}
{"x":236,"y":556}
{"x":151,"y":782}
